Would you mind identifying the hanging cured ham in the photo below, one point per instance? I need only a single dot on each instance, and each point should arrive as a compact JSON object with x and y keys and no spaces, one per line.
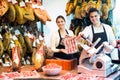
{"x":15,"y":58}
{"x":29,"y":15}
{"x":3,"y":7}
{"x":1,"y":46}
{"x":40,"y":11}
{"x":19,"y":14}
{"x":11,"y":13}
{"x":39,"y":56}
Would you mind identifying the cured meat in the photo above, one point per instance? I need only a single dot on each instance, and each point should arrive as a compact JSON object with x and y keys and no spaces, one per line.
{"x":29,"y":12}
{"x":39,"y":56}
{"x":19,"y":14}
{"x":28,"y":44}
{"x":78,"y":12}
{"x":105,"y":11}
{"x":70,"y":44}
{"x":82,"y":76}
{"x":22,"y":44}
{"x":44,"y":12}
{"x":40,"y":12}
{"x":83,"y":12}
{"x":67,"y":7}
{"x":110,"y":4}
{"x":75,"y":2}
{"x":17,"y":43}
{"x":15,"y":58}
{"x":6,"y":41}
{"x":99,"y":4}
{"x":40,"y":16}
{"x":1,"y":47}
{"x":71,"y":8}
{"x":90,"y":4}
{"x":52,"y":66}
{"x":17,"y":75}
{"x":11,"y":13}
{"x":3,"y":7}
{"x":67,"y":76}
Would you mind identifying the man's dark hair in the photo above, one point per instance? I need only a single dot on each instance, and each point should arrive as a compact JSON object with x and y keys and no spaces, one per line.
{"x":93,"y":10}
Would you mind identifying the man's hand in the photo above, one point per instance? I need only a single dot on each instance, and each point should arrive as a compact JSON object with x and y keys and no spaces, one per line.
{"x":81,"y":34}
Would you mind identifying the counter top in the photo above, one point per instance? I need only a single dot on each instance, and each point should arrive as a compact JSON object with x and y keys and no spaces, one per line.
{"x":42,"y":75}
{"x":63,"y":72}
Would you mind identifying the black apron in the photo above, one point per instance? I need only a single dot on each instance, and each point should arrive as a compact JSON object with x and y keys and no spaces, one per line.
{"x":101,"y":35}
{"x":62,"y":46}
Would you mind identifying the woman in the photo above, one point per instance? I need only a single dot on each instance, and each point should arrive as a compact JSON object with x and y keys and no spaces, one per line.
{"x":56,"y":39}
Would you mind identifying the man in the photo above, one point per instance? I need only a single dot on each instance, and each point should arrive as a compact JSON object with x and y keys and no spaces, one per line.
{"x":98,"y":30}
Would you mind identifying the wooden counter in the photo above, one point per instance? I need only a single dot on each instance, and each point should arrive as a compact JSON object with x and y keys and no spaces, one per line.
{"x":45,"y":77}
{"x":42,"y":75}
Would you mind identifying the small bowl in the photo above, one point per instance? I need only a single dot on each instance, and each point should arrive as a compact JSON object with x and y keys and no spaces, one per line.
{"x":51,"y":71}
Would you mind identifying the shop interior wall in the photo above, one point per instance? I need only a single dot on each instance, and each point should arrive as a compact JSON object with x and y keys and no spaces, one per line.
{"x":54,"y":8}
{"x":116,"y":19}
{"x":57,"y":7}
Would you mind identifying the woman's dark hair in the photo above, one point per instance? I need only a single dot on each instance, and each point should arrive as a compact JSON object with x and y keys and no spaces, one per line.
{"x":60,"y":16}
{"x":93,"y":10}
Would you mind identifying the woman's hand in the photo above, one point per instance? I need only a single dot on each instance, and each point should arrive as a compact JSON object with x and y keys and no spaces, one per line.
{"x":63,"y":50}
